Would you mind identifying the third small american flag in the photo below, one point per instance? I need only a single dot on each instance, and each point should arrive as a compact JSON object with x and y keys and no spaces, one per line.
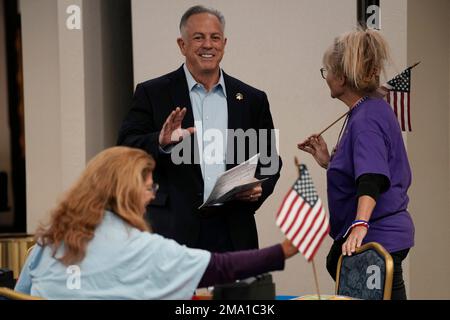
{"x":397,"y":91}
{"x":302,"y":217}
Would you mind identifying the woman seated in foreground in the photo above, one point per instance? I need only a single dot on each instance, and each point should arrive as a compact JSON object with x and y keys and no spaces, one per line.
{"x":98,"y":245}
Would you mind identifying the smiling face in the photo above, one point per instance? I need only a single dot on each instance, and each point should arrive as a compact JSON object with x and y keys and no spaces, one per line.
{"x":202,"y":43}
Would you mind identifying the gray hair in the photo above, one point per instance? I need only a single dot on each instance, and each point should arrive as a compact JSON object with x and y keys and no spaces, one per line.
{"x":200,"y":9}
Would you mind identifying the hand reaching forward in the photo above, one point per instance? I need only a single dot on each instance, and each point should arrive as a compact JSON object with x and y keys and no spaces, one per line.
{"x":171,"y":131}
{"x":289,"y":249}
{"x":317,"y":147}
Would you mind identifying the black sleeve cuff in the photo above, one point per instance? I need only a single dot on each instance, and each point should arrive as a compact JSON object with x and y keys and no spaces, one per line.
{"x":372,"y":185}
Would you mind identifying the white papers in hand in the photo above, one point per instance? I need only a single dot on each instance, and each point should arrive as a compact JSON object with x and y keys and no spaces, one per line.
{"x":233,"y":181}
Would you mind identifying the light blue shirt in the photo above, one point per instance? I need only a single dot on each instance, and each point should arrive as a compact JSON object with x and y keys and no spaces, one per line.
{"x":211,"y":122}
{"x":121,"y":262}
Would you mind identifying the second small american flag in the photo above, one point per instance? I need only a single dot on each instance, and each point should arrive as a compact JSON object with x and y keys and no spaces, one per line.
{"x":397,"y":91}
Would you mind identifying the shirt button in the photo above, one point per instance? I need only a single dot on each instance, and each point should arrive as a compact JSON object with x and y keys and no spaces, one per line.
{"x":207,"y":118}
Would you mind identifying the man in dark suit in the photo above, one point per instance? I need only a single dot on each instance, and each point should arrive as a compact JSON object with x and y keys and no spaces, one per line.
{"x":199,"y":97}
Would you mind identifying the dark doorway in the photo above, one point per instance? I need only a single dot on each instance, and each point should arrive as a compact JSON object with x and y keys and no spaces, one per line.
{"x":12,"y":27}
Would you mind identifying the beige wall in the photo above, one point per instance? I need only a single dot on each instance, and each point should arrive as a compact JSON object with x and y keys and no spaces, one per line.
{"x":42,"y":107}
{"x":276,"y":46}
{"x":76,"y":82}
{"x":117,"y":65}
{"x":428,"y":147}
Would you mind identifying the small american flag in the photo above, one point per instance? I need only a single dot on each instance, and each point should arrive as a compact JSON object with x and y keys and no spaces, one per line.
{"x":302,"y":217}
{"x":397,"y":95}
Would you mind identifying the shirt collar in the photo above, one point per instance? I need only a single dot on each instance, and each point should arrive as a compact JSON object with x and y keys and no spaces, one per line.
{"x":192,"y":83}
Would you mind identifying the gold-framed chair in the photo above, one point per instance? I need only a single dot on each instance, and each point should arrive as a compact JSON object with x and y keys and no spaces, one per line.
{"x":9,"y":294}
{"x":14,"y":249}
{"x":366,"y":274}
{"x":29,"y":251}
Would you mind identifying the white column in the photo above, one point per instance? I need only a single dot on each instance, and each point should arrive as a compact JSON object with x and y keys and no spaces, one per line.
{"x":42,"y":101}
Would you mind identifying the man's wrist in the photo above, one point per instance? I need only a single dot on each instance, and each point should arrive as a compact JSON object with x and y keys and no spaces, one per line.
{"x":166,"y":148}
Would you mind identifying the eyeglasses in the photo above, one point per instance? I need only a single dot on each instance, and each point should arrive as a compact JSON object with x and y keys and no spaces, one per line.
{"x":323,"y":72}
{"x":154,"y":188}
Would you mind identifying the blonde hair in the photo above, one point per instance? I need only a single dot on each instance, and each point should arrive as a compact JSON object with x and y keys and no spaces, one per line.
{"x":112,"y":180}
{"x":359,"y":56}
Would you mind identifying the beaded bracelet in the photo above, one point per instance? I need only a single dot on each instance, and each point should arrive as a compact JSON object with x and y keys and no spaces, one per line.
{"x":357,"y":223}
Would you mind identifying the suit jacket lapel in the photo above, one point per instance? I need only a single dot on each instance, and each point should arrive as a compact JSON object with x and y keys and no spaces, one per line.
{"x":234,"y":110}
{"x":234,"y":107}
{"x":180,"y":97}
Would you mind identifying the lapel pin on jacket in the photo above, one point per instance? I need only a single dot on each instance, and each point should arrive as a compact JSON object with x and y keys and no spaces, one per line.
{"x":239,"y":96}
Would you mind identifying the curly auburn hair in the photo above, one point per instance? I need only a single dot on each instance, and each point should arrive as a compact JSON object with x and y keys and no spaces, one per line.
{"x":113,"y":180}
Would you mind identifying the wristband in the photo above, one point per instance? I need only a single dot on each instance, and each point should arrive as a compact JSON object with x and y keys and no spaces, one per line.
{"x":357,"y":223}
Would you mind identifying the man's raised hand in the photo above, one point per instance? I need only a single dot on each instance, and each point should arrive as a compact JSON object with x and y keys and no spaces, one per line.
{"x":171,"y":131}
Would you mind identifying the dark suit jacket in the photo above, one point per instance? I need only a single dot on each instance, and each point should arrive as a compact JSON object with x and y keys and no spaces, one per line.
{"x":173,"y":213}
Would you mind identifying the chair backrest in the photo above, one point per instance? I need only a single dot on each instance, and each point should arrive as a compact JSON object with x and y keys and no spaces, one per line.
{"x":13,"y":251}
{"x":366,"y":274}
{"x":29,"y":251}
{"x":9,"y":294}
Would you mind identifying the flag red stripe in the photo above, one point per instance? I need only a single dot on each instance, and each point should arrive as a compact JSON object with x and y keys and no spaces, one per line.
{"x":317,"y":231}
{"x":402,"y":99}
{"x":394,"y":96}
{"x":409,"y":111}
{"x":283,"y":203}
{"x":304,"y":225}
{"x":388,"y":97}
{"x":289,"y":210}
{"x":310,"y":227}
{"x":318,"y":244}
{"x":301,"y":225}
{"x":296,"y":216}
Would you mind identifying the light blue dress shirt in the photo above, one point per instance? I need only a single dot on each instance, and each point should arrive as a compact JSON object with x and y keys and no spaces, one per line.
{"x":211,"y":122}
{"x":121,"y":262}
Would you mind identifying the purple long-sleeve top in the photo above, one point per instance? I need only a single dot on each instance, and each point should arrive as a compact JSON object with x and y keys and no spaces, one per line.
{"x":231,"y":266}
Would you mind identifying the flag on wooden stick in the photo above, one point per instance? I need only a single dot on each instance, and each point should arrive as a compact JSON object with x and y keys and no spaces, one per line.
{"x":397,"y":94}
{"x":302,"y":217}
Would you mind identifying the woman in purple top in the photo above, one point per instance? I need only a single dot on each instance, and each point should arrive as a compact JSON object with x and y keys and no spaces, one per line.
{"x":368,"y":173}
